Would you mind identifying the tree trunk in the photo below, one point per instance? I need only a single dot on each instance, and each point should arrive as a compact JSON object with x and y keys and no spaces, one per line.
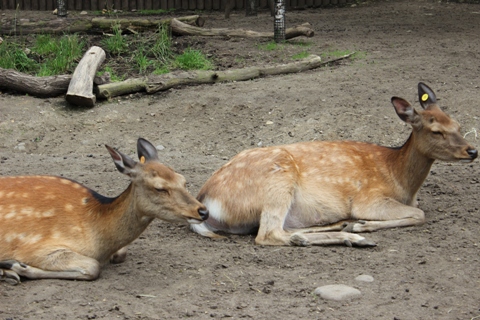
{"x":42,"y":87}
{"x":80,"y":90}
{"x":89,"y":25}
{"x":180,"y":28}
{"x":61,"y":8}
{"x":279,"y":22}
{"x":250,"y":8}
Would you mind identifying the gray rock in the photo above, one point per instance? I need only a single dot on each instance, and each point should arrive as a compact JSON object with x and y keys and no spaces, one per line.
{"x":337,"y":292}
{"x":364,"y":278}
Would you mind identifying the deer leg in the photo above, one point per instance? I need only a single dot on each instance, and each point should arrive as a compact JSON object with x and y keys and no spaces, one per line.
{"x":8,"y":275}
{"x":384,"y":215}
{"x":59,"y":264}
{"x":301,"y":238}
{"x":338,"y":226}
{"x":119,"y":256}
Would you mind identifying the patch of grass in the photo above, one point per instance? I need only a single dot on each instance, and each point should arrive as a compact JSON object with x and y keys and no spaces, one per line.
{"x":58,"y":55}
{"x":13,"y":56}
{"x":113,"y":76}
{"x":141,"y":60}
{"x":192,"y":60}
{"x":301,"y":55}
{"x":162,"y":48}
{"x":116,"y":44}
{"x":269,"y":46}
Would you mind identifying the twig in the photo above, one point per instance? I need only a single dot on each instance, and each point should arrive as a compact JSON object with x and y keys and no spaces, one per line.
{"x":474,"y":131}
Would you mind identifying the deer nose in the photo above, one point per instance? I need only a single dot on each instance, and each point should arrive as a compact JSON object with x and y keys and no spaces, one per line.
{"x":203,"y":213}
{"x":473,"y":153}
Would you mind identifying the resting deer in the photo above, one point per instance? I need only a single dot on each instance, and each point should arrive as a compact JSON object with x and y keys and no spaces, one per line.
{"x":52,"y":227}
{"x":305,"y":193}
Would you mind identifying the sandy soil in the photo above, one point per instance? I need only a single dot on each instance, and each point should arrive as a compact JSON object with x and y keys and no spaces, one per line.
{"x":427,"y":272}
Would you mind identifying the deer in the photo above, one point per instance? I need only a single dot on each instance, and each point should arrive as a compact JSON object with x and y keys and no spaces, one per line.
{"x":325,"y":192}
{"x":56,"y":228}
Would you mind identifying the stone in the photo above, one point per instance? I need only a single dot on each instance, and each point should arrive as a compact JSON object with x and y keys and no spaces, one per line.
{"x":337,"y":292}
{"x":364,"y":278}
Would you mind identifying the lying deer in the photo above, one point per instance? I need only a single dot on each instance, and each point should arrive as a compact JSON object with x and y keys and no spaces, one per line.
{"x":305,"y":193}
{"x":52,"y":227}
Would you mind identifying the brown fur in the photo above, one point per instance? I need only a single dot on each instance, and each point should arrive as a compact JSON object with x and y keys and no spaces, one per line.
{"x":52,"y":227}
{"x":300,"y":193}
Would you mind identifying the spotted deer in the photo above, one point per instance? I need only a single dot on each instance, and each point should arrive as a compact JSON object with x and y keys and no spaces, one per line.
{"x":324,"y":192}
{"x":52,"y":227}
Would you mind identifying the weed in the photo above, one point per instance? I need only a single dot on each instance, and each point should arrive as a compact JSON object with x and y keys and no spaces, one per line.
{"x":301,"y":55}
{"x":13,"y":56}
{"x":270,"y":46}
{"x":192,"y":59}
{"x":113,"y":76}
{"x":116,"y":44}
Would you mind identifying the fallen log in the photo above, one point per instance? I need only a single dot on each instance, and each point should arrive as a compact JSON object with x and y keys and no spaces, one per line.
{"x":80,"y":90}
{"x":87,"y":25}
{"x":57,"y":85}
{"x":152,"y":84}
{"x":42,"y":87}
{"x":183,"y":29}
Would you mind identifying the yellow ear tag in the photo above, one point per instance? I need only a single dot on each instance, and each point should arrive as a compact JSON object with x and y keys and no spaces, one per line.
{"x":142,"y":159}
{"x":425,"y":97}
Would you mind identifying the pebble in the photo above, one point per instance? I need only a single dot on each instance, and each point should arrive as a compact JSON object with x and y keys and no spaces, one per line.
{"x":364,"y":278}
{"x":20,"y":146}
{"x":337,"y":292}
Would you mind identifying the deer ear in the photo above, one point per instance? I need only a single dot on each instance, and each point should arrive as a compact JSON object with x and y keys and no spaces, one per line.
{"x":404,"y":110}
{"x":426,"y":96}
{"x":124,"y":163}
{"x":146,"y":150}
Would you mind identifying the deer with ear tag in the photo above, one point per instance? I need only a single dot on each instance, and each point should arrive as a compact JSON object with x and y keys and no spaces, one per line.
{"x":52,"y":227}
{"x":324,"y":192}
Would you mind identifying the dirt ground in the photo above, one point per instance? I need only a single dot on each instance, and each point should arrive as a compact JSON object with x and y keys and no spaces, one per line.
{"x":427,"y":272}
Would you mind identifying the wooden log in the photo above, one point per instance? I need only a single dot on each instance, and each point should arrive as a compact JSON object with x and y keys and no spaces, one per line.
{"x":42,"y":87}
{"x":152,"y":84}
{"x":88,"y":25}
{"x":80,"y":90}
{"x":180,"y":28}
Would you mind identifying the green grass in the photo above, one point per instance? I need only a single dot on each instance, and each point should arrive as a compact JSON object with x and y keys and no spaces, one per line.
{"x":269,"y":46}
{"x":192,"y":60}
{"x":113,"y":76}
{"x":52,"y":55}
{"x":60,"y":55}
{"x":115,"y":44}
{"x":301,"y":55}
{"x":13,"y":56}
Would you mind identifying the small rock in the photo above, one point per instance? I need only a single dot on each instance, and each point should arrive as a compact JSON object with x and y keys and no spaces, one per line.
{"x":160,"y":147}
{"x":364,"y":278}
{"x":20,"y":146}
{"x":337,"y":292}
{"x":269,"y":122}
{"x":83,"y":13}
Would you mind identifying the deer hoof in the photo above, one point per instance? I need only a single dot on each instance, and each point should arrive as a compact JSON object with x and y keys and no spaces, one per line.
{"x":364,"y":243}
{"x":9,"y":277}
{"x":299,"y":240}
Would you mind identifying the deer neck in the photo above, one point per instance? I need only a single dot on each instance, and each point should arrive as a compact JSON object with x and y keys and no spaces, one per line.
{"x":410,"y":167}
{"x":119,"y":222}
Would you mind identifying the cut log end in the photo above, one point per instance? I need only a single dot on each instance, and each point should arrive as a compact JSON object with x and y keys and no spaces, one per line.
{"x":83,"y":101}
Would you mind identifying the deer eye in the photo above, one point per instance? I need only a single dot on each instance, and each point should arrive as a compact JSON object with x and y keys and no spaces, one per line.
{"x":437,"y":133}
{"x":161,"y":190}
